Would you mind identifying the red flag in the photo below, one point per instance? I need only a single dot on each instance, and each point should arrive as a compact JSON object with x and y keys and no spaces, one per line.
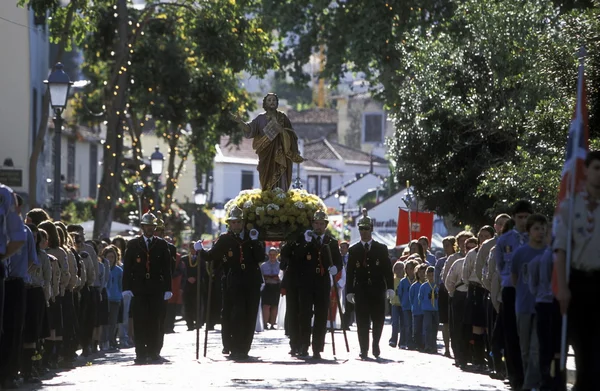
{"x":572,"y":180}
{"x":421,"y":224}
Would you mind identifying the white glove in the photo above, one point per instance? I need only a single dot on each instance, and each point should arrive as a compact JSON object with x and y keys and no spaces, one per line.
{"x":253,"y":234}
{"x":168,"y":295}
{"x":350,"y":297}
{"x":262,"y":286}
{"x":308,"y":235}
{"x":333,"y":270}
{"x":198,"y":246}
{"x":127,"y":294}
{"x":389,"y":294}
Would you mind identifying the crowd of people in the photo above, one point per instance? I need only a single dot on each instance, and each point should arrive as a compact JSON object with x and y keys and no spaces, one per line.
{"x":492,"y":293}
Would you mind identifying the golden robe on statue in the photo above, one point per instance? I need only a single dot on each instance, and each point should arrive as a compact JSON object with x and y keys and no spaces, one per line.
{"x":276,"y":145}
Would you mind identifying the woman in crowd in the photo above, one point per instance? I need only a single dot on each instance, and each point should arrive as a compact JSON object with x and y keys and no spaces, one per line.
{"x":114,"y":291}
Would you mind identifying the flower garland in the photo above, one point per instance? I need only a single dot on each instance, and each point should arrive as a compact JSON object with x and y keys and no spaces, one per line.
{"x":291,"y":210}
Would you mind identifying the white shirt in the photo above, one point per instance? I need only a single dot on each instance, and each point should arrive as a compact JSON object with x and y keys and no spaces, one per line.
{"x":370,"y":243}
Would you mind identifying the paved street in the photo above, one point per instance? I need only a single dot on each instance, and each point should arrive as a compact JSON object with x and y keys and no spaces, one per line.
{"x":271,"y":368}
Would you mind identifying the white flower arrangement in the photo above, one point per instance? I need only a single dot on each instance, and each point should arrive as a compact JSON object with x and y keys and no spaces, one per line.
{"x":299,"y":204}
{"x":281,"y":196}
{"x":248,"y":204}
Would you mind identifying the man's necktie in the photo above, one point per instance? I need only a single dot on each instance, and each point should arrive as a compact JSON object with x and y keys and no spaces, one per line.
{"x":148,"y":241}
{"x":318,"y":241}
{"x":366,"y":247}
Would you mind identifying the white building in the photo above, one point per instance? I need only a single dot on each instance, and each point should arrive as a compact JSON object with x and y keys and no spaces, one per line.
{"x":24,"y":67}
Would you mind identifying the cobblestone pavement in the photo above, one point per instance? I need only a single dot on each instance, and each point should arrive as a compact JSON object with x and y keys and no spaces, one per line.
{"x":270,"y":368}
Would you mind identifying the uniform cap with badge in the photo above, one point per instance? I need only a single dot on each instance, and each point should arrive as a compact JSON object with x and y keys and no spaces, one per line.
{"x":148,"y":219}
{"x":365,"y":220}
{"x":235,"y":214}
{"x":320,"y":215}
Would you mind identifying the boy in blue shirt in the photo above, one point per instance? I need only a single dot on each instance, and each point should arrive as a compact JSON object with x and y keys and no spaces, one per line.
{"x":406,"y":339}
{"x":428,"y":297}
{"x":548,"y":320}
{"x":536,"y":226}
{"x":415,"y":304}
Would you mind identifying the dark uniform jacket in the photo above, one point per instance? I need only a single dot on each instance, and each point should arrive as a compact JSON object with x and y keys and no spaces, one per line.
{"x":238,"y":259}
{"x":147,"y":271}
{"x":369,"y":270}
{"x":309,"y":262}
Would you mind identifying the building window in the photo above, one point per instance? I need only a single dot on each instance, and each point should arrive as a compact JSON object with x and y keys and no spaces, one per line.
{"x":71,"y":161}
{"x":247,"y":180}
{"x":93,"y":170}
{"x":373,"y":127}
{"x":312,"y":184}
{"x":325,"y":185}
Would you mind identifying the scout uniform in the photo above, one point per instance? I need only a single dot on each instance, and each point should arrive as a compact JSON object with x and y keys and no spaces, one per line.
{"x":147,"y":278}
{"x":238,"y":257}
{"x":584,"y":284}
{"x":309,"y":278}
{"x":369,"y":276}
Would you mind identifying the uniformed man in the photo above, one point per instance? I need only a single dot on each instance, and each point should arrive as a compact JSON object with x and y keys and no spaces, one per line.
{"x":160,"y":233}
{"x":313,"y":257}
{"x":238,"y":254}
{"x":18,"y":276}
{"x":370,"y":282}
{"x":147,"y":278}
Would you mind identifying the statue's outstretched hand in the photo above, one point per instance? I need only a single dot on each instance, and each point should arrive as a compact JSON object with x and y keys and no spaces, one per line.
{"x":236,"y":118}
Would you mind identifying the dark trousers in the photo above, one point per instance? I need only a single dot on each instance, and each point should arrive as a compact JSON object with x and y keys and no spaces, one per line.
{"x":244,"y":300}
{"x":370,"y":307}
{"x":313,"y":299}
{"x":171,"y":313}
{"x":225,"y":316}
{"x":496,"y":336}
{"x":162,"y":316}
{"x":459,"y":332}
{"x":417,"y":321}
{"x":406,"y":335}
{"x":512,"y":347}
{"x":192,"y":307}
{"x":69,"y":323}
{"x":216,"y":303}
{"x":548,"y":331}
{"x":87,"y":315}
{"x":292,"y":317}
{"x":12,"y":325}
{"x":146,"y":323}
{"x":583,"y":328}
{"x":430,"y":330}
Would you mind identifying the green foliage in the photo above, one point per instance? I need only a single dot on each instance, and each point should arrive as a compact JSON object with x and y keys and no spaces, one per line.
{"x":75,"y":212}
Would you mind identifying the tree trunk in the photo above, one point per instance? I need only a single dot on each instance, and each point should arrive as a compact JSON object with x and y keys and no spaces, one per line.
{"x":111,"y":167}
{"x":40,"y":137}
{"x":171,"y":176}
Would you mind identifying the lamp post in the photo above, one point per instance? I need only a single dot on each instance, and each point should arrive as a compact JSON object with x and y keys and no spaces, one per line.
{"x":342,"y":197}
{"x":138,"y":188}
{"x":59,"y":85}
{"x":220,"y":214}
{"x":200,"y":201}
{"x":156,"y":163}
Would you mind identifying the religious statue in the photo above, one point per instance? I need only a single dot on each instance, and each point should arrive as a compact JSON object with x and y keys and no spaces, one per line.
{"x":275,"y":143}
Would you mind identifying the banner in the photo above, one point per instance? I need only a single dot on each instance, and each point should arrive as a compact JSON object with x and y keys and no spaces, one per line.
{"x":420,"y":223}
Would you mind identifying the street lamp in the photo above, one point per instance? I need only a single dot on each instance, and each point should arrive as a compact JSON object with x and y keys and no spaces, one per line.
{"x":342,"y":197}
{"x":138,"y":188}
{"x":220,"y":215}
{"x":58,"y":87}
{"x":156,"y":165}
{"x":200,"y":200}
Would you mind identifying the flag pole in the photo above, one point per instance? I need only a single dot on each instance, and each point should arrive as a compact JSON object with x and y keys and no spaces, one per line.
{"x":409,"y":210}
{"x":571,"y":194}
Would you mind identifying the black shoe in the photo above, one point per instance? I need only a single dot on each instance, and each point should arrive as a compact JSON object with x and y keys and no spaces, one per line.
{"x":447,"y":354}
{"x":376,"y":351}
{"x":316,"y":356}
{"x":10,"y":385}
{"x":225,"y":351}
{"x":140,"y":361}
{"x":235,"y":356}
{"x":293,"y":352}
{"x":31,"y":380}
{"x":191,"y":328}
{"x":272,"y":327}
{"x":156,"y":358}
{"x":363,"y":356}
{"x":392,"y":344}
{"x":303,"y":354}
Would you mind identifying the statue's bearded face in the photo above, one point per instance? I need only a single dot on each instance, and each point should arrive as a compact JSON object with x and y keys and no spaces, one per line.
{"x":271,"y":102}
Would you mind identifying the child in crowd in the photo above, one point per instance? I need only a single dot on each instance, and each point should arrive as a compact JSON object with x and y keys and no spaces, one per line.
{"x":406,"y":339}
{"x":525,"y":301}
{"x":428,"y":297}
{"x":398,"y":270}
{"x":415,"y":304}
